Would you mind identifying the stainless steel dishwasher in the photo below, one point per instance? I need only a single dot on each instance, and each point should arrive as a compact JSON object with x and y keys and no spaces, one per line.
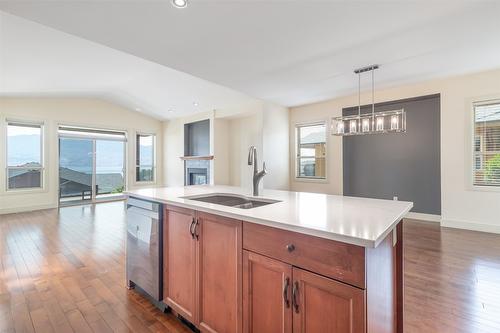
{"x":144,"y":246}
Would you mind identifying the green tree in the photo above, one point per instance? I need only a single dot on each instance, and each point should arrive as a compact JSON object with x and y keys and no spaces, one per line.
{"x":493,"y":168}
{"x":118,"y":190}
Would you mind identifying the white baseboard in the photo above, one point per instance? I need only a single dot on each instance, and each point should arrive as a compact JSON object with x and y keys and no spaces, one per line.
{"x":471,"y":226}
{"x":424,"y":217}
{"x":26,"y":209}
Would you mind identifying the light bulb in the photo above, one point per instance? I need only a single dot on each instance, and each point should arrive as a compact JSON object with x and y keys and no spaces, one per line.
{"x":365,"y":125}
{"x":395,"y":122}
{"x":340,"y":127}
{"x":380,"y":123}
{"x":353,"y":126}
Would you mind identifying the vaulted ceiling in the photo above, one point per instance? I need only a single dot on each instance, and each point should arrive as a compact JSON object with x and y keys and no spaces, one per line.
{"x":39,"y":61}
{"x":288,"y":52}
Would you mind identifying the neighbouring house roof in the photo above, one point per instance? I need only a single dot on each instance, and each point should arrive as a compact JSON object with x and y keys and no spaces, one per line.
{"x":106,"y":181}
{"x":311,"y":138}
{"x":75,"y":176}
{"x":486,"y":113}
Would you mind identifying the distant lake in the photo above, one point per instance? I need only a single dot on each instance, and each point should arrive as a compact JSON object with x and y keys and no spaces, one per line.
{"x":99,"y":170}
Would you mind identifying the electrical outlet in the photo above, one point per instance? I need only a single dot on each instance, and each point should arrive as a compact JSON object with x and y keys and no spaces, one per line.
{"x":395,"y":198}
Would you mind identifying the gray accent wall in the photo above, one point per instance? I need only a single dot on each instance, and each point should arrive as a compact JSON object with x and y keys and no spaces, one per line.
{"x":406,"y":165}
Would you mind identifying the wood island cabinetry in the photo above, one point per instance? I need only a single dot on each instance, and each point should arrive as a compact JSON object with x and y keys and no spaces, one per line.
{"x":202,"y":269}
{"x":230,"y":276}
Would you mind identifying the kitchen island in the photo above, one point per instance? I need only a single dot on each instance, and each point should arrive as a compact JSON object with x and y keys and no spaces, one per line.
{"x":292,"y":262}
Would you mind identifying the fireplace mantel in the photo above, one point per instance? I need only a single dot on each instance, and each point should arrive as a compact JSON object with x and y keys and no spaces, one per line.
{"x":186,"y":158}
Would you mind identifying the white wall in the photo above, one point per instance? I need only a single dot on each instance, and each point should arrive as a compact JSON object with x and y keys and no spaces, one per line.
{"x":221,"y":141}
{"x":267,"y":129}
{"x":462,"y":205}
{"x":264,"y":125}
{"x":276,"y":154}
{"x":244,"y":132}
{"x":68,"y":111}
{"x":173,"y":134}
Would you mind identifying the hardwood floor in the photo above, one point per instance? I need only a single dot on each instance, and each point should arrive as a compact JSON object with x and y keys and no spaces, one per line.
{"x":64,"y":271}
{"x":452,"y":280}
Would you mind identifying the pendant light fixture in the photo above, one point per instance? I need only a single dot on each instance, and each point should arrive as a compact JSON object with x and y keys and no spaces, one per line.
{"x":393,"y":121}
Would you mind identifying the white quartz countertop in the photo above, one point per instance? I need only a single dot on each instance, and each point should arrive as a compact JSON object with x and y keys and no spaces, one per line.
{"x":353,"y":220}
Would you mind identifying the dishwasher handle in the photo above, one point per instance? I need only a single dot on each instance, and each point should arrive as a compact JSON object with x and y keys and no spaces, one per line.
{"x":143,"y":212}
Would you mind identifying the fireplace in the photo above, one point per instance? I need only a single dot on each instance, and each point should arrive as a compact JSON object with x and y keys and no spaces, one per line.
{"x":197,"y":153}
{"x":196,"y":172}
{"x":196,"y":176}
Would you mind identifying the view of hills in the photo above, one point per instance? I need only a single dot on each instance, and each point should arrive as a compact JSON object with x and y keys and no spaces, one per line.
{"x":75,"y":154}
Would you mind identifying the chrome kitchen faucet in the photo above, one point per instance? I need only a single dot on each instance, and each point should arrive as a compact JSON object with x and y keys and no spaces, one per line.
{"x":257,"y":175}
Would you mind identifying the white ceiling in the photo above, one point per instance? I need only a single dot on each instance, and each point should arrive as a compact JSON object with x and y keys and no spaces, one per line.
{"x":289,"y":52}
{"x":39,"y":61}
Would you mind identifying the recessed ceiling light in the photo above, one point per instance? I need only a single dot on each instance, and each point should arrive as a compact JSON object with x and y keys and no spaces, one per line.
{"x":195,"y":103}
{"x":138,"y":109}
{"x":180,"y":3}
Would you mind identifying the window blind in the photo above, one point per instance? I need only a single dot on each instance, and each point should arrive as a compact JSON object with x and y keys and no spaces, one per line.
{"x":486,"y":144}
{"x":91,"y":133}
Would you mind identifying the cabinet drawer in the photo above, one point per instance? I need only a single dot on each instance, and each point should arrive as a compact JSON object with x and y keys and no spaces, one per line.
{"x":340,"y":261}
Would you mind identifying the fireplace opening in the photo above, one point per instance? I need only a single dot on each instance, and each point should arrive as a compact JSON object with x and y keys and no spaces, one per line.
{"x":197,"y":176}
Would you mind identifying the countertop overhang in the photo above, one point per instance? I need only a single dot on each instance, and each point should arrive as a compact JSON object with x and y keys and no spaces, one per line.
{"x":358,"y":221}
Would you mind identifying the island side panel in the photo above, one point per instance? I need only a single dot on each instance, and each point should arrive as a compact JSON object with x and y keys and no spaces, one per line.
{"x":399,"y":272}
{"x":382,"y":286}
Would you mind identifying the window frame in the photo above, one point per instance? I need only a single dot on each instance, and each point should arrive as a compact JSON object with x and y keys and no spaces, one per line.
{"x":298,"y":157}
{"x":137,"y":158}
{"x":471,"y":149}
{"x":41,"y":168}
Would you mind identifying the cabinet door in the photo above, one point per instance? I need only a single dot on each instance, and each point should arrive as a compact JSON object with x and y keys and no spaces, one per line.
{"x":267,"y":286}
{"x":324,"y":305}
{"x":179,"y":262}
{"x":219,"y":266}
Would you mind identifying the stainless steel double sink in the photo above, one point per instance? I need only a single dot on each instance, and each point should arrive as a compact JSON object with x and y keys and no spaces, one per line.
{"x":232,"y":200}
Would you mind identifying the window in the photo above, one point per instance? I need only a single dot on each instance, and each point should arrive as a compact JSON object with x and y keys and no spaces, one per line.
{"x":478,"y":158}
{"x":145,"y":158}
{"x":311,"y":151}
{"x":486,"y":159}
{"x":24,"y":156}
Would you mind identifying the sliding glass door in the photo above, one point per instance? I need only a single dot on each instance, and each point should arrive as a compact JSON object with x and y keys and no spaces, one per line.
{"x":76,"y":169}
{"x":109,"y":168}
{"x":91,"y":165}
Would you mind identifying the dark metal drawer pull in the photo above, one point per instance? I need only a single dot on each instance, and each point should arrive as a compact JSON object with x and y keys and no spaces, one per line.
{"x":191,"y":231}
{"x":295,"y":293}
{"x":285,"y":292}
{"x":290,"y":247}
{"x":196,"y":233}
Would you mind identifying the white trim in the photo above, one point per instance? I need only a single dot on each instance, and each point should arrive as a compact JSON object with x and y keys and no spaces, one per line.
{"x":470,"y":123}
{"x":309,"y":179}
{"x":473,"y":226}
{"x":43,"y":158}
{"x":155,"y":162}
{"x":424,"y":217}
{"x":296,"y":126}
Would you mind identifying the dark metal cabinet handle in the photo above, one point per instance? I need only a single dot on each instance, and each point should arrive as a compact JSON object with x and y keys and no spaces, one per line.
{"x":290,"y":247}
{"x":295,"y":293}
{"x":285,"y":292}
{"x":196,"y":233}
{"x":191,"y":231}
